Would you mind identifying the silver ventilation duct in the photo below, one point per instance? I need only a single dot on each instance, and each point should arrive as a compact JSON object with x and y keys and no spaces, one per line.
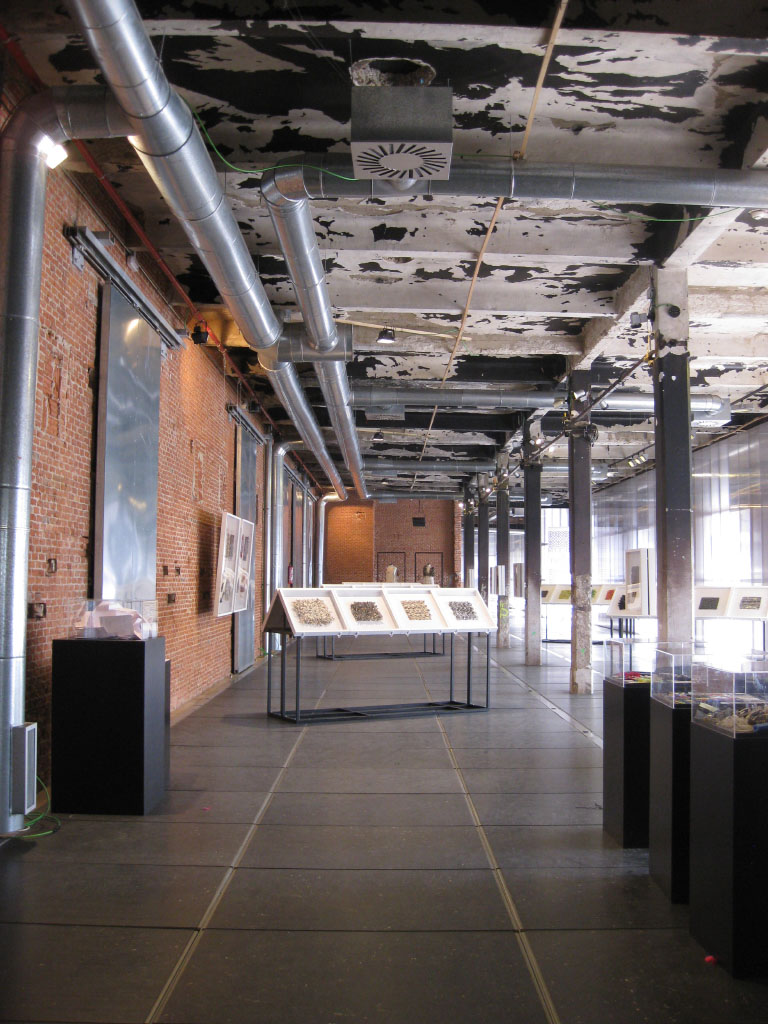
{"x":286,"y":199}
{"x":454,"y":467}
{"x":169,"y":145}
{"x":36,"y":126}
{"x":500,"y":176}
{"x":371,"y":396}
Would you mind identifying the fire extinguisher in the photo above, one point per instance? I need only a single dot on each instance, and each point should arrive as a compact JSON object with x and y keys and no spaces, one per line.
{"x":290,"y":575}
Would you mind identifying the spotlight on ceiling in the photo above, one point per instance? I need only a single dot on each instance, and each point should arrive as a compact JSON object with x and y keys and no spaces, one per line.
{"x":386,"y":336}
{"x":378,"y":436}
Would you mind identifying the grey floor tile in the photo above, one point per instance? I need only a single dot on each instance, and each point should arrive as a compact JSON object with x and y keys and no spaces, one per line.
{"x":404,"y":900}
{"x":375,"y":847}
{"x":367,"y":809}
{"x":536,"y":738}
{"x":533,"y":780}
{"x":223,"y":778}
{"x":232,"y":730}
{"x":385,"y":726}
{"x":195,"y":805}
{"x":60,"y":973}
{"x":539,"y":808}
{"x":221,"y":755}
{"x":584,"y":756}
{"x":136,"y":895}
{"x":573,"y":898}
{"x":370,"y":780}
{"x":133,"y":841}
{"x":634,"y":977}
{"x":373,"y":755}
{"x":391,"y":978}
{"x":562,"y":846}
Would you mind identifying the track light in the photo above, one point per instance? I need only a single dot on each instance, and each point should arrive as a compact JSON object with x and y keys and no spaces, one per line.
{"x":199,"y":335}
{"x":386,"y":336}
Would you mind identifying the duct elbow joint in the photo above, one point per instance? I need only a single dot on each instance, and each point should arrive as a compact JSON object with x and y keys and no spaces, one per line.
{"x":284,"y":186}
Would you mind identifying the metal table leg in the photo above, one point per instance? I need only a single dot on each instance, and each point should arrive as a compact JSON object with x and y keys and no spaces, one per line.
{"x":488,"y":670}
{"x":469,"y":669}
{"x":451,"y":646}
{"x":283,"y":665}
{"x":269,"y":673}
{"x":298,"y":679}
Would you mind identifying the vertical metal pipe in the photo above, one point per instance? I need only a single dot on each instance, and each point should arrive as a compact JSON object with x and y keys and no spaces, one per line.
{"x":452,"y":665}
{"x":320,"y":540}
{"x":488,"y":670}
{"x":278,"y":477}
{"x":298,"y":679}
{"x":502,"y":560}
{"x":23,"y":176}
{"x":483,"y":547}
{"x":269,"y":673}
{"x":580,"y":525}
{"x":469,"y":544}
{"x":283,"y":669}
{"x":469,"y":668}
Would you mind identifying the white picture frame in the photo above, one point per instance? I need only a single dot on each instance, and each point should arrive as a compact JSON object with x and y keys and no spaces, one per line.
{"x":227,"y":564}
{"x":244,"y":563}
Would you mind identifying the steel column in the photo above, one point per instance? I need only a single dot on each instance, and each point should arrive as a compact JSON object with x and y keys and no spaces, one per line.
{"x":483,"y":545}
{"x":469,"y":545}
{"x":580,"y":525}
{"x":674,"y":520}
{"x":502,"y":560}
{"x":532,"y":522}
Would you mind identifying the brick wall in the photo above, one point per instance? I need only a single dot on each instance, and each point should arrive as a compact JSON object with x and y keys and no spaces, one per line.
{"x":458,"y":544}
{"x":349,"y":542}
{"x":394,"y":532}
{"x":196,"y":468}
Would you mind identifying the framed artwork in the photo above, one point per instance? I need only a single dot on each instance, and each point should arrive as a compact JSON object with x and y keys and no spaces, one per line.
{"x":244,"y":563}
{"x":227,"y":565}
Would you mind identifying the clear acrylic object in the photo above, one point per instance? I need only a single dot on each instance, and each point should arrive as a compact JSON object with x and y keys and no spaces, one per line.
{"x":734,"y":701}
{"x":112,"y":619}
{"x":677,"y":663}
{"x":629,"y":662}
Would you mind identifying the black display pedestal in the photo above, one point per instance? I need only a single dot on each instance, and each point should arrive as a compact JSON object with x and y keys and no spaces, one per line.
{"x":729,"y":847}
{"x":670,"y":778}
{"x":109,"y":731}
{"x":626,"y":714}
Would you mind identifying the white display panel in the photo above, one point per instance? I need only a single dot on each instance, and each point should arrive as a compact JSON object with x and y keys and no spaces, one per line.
{"x":618,"y":606}
{"x":561,"y":594}
{"x":227,"y":564}
{"x":365,"y":609}
{"x":640,"y":581}
{"x":605,"y":592}
{"x":748,"y":603}
{"x":415,"y":611}
{"x":711,"y":602}
{"x":463,"y":609}
{"x":547,"y":592}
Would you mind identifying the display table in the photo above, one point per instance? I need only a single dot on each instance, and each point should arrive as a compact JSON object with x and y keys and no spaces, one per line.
{"x":626,"y":739}
{"x":729,"y":847}
{"x":109,"y":726}
{"x":363,"y":610}
{"x":670,"y":780}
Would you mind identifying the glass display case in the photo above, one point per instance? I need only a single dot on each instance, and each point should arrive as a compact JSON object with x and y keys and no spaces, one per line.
{"x":629,"y":661}
{"x":732,"y":700}
{"x":116,"y":620}
{"x":675,"y":665}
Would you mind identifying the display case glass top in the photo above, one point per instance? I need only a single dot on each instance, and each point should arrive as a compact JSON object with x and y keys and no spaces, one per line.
{"x":629,"y":662}
{"x":676,"y":663}
{"x":733,"y":700}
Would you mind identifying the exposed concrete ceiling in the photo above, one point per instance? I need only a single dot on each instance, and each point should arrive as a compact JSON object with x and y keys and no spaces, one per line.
{"x":663,"y":82}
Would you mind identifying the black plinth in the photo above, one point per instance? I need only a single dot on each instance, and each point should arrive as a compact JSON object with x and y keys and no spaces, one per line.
{"x":669,"y":820}
{"x":729,"y":848}
{"x":109,"y":731}
{"x":626,"y":714}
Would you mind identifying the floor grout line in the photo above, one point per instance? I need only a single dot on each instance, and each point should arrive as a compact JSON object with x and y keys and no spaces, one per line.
{"x":526,"y":950}
{"x":186,"y":955}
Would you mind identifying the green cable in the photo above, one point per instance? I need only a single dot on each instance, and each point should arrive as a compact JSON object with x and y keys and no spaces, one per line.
{"x":260,"y":170}
{"x":44,"y":814}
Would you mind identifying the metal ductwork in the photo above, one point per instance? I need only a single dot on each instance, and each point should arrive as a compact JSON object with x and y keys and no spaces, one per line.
{"x":452,"y":467}
{"x":286,"y":198}
{"x":390,"y":496}
{"x":166,"y":139}
{"x":500,"y":176}
{"x":371,"y":396}
{"x":36,"y":127}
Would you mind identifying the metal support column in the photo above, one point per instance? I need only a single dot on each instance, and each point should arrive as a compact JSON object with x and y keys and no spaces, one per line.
{"x":672,"y":394}
{"x":483,"y":540}
{"x":502,"y":560}
{"x":532,"y":522}
{"x":580,"y":506}
{"x":469,"y":543}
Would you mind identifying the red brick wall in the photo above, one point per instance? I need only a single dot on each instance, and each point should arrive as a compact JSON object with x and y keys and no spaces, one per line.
{"x":349,"y":542}
{"x":395,"y":532}
{"x":458,"y":543}
{"x":196,"y":469}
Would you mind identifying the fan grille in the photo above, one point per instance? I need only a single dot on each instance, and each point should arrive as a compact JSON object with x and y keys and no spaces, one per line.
{"x":398,"y":160}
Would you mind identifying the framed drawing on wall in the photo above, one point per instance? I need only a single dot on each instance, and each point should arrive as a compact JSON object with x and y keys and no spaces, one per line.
{"x":244,"y":562}
{"x":227,"y":564}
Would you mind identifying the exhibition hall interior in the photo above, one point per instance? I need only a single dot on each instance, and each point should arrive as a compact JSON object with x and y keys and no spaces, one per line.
{"x":383,"y":512}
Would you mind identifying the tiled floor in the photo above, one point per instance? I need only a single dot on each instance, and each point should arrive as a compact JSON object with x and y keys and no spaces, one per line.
{"x":446,"y":869}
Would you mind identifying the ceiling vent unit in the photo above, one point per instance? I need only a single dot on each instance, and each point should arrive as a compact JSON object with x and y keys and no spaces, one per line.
{"x":402,"y":133}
